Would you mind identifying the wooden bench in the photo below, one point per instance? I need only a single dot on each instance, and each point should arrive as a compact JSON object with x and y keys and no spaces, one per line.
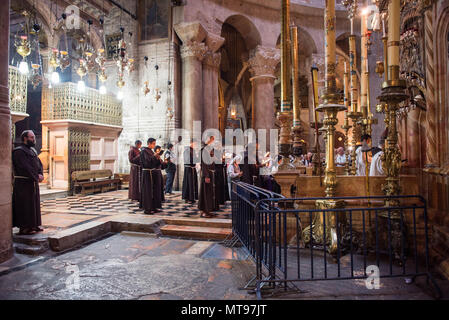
{"x":124,"y":180}
{"x":94,"y":181}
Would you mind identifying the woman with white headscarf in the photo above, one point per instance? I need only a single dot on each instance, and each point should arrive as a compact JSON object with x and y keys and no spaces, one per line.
{"x":234,"y":172}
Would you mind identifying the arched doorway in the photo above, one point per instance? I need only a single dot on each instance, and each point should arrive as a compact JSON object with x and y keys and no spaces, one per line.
{"x":240,"y":36}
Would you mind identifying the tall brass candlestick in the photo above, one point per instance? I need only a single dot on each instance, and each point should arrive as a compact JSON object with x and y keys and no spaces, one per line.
{"x":297,"y":145}
{"x":330,"y":108}
{"x":316,"y":125}
{"x":285,"y":116}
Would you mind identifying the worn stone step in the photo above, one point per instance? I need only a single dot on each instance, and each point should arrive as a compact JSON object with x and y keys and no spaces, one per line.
{"x":211,"y":223}
{"x":38,"y":239}
{"x":31,"y":250}
{"x":70,"y":238}
{"x":195,"y":232}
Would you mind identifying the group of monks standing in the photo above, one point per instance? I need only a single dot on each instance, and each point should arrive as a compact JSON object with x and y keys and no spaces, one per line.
{"x":146,"y":179}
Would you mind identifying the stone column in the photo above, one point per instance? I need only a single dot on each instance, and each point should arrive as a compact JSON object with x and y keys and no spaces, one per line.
{"x":262,"y":65}
{"x":6,"y":248}
{"x":193,"y":51}
{"x":211,"y":69}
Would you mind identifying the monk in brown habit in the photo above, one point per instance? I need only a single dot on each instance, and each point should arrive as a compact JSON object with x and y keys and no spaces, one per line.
{"x":28,"y":173}
{"x":207,"y":197}
{"x":190,"y":181}
{"x":134,"y":178}
{"x":151,"y":187}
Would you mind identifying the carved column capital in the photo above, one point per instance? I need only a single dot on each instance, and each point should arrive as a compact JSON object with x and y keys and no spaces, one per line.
{"x":214,"y":42}
{"x":190,"y":32}
{"x":263,"y":61}
{"x":194,"y":49}
{"x":212,"y":60}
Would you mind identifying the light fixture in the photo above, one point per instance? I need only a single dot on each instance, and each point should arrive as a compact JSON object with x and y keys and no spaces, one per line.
{"x":55,"y":77}
{"x":365,"y":11}
{"x":23,"y":67}
{"x":103,"y":90}
{"x":120,"y":95}
{"x":81,"y":86}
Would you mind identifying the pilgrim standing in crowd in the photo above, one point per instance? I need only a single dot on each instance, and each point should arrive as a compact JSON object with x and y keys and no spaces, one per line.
{"x":361,"y":155}
{"x":28,"y":173}
{"x":234,"y":173}
{"x":170,"y":158}
{"x":134,"y":177}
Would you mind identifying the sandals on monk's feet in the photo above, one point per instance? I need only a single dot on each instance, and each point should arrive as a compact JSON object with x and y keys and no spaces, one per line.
{"x":38,"y":229}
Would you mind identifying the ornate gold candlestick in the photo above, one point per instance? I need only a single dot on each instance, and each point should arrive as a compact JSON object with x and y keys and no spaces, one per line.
{"x":285,"y":116}
{"x":393,"y":93}
{"x":330,"y":108}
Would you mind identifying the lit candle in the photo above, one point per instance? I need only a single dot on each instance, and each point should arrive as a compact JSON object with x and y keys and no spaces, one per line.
{"x":394,"y":9}
{"x":384,"y":33}
{"x":352,"y":25}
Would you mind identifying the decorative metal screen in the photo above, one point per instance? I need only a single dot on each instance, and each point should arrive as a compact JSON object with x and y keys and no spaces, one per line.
{"x":79,"y":150}
{"x":66,"y":102}
{"x":18,"y":90}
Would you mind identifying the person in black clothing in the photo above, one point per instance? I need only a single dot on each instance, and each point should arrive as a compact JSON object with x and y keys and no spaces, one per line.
{"x":250,"y":166}
{"x":28,"y":173}
{"x":163,"y":165}
{"x":170,"y":158}
{"x":207,"y":197}
{"x":151,"y":186}
{"x":190,"y":182}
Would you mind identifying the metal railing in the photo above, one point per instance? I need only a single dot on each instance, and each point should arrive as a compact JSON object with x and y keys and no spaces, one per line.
{"x":389,"y":241}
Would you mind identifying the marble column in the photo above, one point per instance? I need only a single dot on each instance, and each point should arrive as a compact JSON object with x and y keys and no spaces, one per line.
{"x":6,"y":248}
{"x":211,"y":69}
{"x":193,"y":52}
{"x":262,"y":65}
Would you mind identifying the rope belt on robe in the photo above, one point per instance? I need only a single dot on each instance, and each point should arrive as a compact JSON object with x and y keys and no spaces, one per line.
{"x":151,"y":178}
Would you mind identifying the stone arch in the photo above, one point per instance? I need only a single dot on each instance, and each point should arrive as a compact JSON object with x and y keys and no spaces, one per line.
{"x":247,"y":29}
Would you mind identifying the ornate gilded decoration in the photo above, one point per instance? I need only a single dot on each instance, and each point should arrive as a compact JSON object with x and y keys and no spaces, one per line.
{"x":65,"y":102}
{"x":18,"y":90}
{"x":79,"y":150}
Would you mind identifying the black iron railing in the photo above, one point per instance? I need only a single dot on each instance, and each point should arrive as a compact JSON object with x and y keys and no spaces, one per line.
{"x":386,"y":242}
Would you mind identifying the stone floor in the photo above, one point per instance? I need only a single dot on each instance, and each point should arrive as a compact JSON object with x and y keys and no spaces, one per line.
{"x":130,"y":265}
{"x":141,"y":266}
{"x":68,"y":212}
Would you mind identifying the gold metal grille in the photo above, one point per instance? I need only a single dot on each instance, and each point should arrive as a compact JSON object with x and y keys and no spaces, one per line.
{"x":66,"y":102}
{"x":18,"y":90}
{"x":79,"y":150}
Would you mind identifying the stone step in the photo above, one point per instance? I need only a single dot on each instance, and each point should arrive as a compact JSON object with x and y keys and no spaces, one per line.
{"x":195,"y":232}
{"x":210,"y":223}
{"x":39,"y":239}
{"x":31,"y":250}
